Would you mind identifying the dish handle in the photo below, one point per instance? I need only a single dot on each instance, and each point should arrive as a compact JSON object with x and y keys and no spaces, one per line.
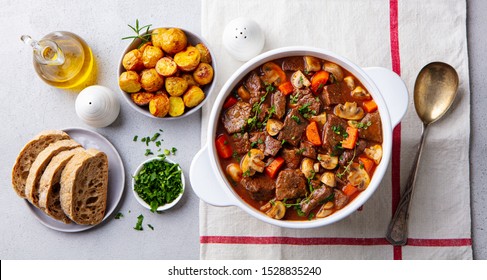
{"x":393,"y":90}
{"x":203,"y":180}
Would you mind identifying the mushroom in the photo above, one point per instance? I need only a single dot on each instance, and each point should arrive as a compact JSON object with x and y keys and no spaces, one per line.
{"x":252,"y":162}
{"x":243,"y":93}
{"x":307,"y":167}
{"x":334,"y":69}
{"x":317,"y":167}
{"x":325,"y":210}
{"x":320,"y":119}
{"x":374,"y":153}
{"x":277,"y":210}
{"x":360,"y":93}
{"x":328,"y":178}
{"x":327,"y":161}
{"x":349,"y":111}
{"x":311,"y":64}
{"x":299,"y":80}
{"x":273,"y":127}
{"x":358,"y":177}
{"x":349,"y":82}
{"x":234,"y":171}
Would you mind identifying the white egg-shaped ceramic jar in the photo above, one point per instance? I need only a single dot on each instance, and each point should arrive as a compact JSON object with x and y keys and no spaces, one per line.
{"x":243,"y":38}
{"x":97,"y":106}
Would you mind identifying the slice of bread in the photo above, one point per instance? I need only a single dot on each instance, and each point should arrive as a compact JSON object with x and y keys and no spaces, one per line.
{"x":40,"y":164}
{"x":84,"y":185}
{"x":49,"y":185}
{"x":29,"y":153}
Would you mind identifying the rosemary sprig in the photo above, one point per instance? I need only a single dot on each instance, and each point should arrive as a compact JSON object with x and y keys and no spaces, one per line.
{"x":144,"y":36}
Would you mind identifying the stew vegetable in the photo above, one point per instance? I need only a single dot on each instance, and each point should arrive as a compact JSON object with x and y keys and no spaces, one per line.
{"x":299,"y":138}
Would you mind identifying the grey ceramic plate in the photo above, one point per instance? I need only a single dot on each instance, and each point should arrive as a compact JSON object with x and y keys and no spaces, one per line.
{"x":116,"y":178}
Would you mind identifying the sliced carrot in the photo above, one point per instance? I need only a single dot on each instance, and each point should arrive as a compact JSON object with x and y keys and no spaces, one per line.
{"x":273,"y":74}
{"x":286,"y":88}
{"x":229,"y":102}
{"x":367,"y":163}
{"x":319,"y":80}
{"x":223,"y":146}
{"x":349,"y":189}
{"x":313,"y":134}
{"x":274,"y":167}
{"x":370,"y":106}
{"x":351,"y":140}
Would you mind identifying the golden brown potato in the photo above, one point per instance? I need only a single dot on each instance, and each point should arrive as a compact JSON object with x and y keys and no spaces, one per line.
{"x":151,"y":55}
{"x":159,"y":105}
{"x":166,"y":66}
{"x":141,"y":98}
{"x":132,"y":61}
{"x":176,"y":86}
{"x":156,"y":37}
{"x":129,"y":81}
{"x":188,"y":59}
{"x":172,"y":40}
{"x":176,"y":106}
{"x":204,"y":52}
{"x":150,"y":80}
{"x":193,"y":96}
{"x":145,"y":45}
{"x":203,"y":73}
{"x":189,"y":79}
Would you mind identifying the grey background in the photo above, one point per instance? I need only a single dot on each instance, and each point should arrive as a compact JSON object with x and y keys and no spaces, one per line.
{"x":28,"y":106}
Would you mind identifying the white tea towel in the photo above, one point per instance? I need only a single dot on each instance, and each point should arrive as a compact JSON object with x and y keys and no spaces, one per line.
{"x":402,"y":36}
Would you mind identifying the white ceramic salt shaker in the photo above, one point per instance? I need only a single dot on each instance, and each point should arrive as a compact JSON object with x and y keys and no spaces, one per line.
{"x":97,"y":106}
{"x":243,"y":38}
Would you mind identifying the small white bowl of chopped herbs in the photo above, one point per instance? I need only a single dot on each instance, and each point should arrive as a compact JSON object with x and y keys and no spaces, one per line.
{"x":158,"y":183}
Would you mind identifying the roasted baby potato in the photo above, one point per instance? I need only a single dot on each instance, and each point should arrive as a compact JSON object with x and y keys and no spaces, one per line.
{"x":151,"y":55}
{"x":176,"y":86}
{"x":189,"y":79}
{"x":141,"y":98}
{"x":203,"y":74}
{"x":159,"y":105}
{"x":157,"y":38}
{"x":193,"y":96}
{"x":150,"y":80}
{"x":176,"y":106}
{"x":166,"y":66}
{"x":173,"y":40}
{"x":132,"y":61}
{"x":129,"y":81}
{"x":204,"y":52}
{"x":188,"y":59}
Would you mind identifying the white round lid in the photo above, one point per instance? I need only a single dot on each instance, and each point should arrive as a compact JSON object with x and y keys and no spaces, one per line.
{"x":243,"y":38}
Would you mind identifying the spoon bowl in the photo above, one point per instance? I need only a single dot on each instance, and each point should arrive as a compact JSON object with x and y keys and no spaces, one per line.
{"x":434,"y":92}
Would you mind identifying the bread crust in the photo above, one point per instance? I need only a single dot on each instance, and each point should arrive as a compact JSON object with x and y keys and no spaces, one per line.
{"x":28,"y":154}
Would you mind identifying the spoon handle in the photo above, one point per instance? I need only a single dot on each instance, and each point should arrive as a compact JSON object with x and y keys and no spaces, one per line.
{"x":397,"y":232}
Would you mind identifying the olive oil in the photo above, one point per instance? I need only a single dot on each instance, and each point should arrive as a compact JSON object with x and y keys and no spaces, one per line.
{"x":62,"y":59}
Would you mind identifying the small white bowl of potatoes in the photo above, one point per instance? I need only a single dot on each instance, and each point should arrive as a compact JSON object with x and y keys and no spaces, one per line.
{"x":170,"y":76}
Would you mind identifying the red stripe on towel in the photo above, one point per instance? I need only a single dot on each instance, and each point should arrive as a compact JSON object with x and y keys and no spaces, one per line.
{"x":396,"y":135}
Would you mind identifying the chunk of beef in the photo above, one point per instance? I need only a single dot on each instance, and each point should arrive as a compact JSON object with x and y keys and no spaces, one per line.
{"x":334,"y":94}
{"x":255,"y":87}
{"x":257,"y":140}
{"x":279,"y":102}
{"x":292,"y":157}
{"x":241,"y":142}
{"x":308,"y":150}
{"x":374,"y":131}
{"x":272,"y":146}
{"x":341,"y":199}
{"x":331,"y":138}
{"x":308,"y":103}
{"x":294,"y":63}
{"x":347,"y":154}
{"x":264,"y":110}
{"x":316,"y":197}
{"x":290,"y":184}
{"x":260,"y":187}
{"x":294,"y":126}
{"x":236,"y":117}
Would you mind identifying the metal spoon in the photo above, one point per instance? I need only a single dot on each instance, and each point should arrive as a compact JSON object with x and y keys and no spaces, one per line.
{"x":434,"y":91}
